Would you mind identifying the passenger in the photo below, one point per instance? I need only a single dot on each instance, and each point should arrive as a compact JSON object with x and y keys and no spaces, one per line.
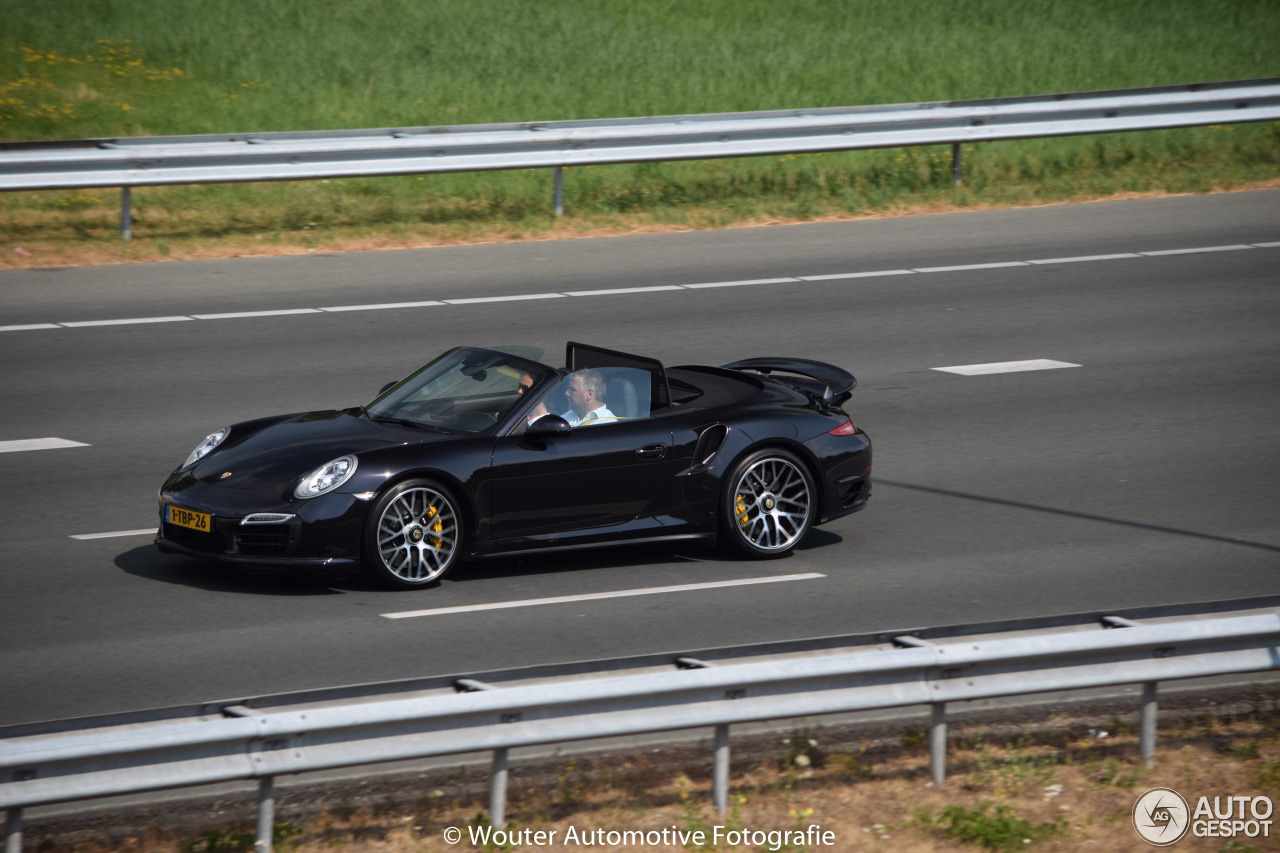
{"x":585,"y":394}
{"x":586,"y":399}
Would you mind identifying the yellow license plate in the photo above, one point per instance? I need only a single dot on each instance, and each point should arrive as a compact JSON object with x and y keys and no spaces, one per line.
{"x":188,"y":518}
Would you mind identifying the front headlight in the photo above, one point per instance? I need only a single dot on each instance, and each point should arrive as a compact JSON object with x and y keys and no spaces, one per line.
{"x":326,"y":478}
{"x":206,"y":447}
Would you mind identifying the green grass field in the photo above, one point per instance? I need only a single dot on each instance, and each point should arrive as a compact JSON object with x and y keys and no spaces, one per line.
{"x":88,"y":68}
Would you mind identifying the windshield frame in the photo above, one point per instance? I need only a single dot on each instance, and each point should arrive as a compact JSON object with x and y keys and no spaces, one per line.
{"x":397,"y":401}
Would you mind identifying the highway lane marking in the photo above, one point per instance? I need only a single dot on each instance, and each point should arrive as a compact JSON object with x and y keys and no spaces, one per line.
{"x":80,"y":323}
{"x":382,"y":306}
{"x":236,"y":315}
{"x":746,"y":283}
{"x":840,"y":275}
{"x":615,"y":290}
{"x":596,"y":596}
{"x":29,"y":326}
{"x":150,"y":531}
{"x":38,"y":444}
{"x":516,"y":298}
{"x":973,"y":267}
{"x":1005,"y":367}
{"x":1086,"y":258}
{"x":1198,"y":251}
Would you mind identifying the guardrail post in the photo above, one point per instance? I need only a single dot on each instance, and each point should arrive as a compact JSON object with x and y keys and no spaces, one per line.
{"x":1147,"y":733}
{"x":266,"y":815}
{"x":956,"y":171}
{"x":559,"y":191}
{"x":938,"y":742}
{"x":498,"y":790}
{"x":13,"y":831}
{"x":126,"y":213}
{"x":720,"y":775}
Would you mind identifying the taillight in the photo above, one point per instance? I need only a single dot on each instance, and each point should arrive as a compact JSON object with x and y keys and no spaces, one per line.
{"x":846,"y":428}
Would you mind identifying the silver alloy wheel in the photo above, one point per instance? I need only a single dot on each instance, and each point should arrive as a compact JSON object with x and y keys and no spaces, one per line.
{"x":418,"y":535}
{"x":771,"y":504}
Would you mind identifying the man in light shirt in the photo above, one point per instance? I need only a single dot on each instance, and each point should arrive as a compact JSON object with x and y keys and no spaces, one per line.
{"x":586,"y":401}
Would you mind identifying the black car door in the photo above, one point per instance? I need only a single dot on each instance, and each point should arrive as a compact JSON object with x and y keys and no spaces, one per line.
{"x":594,"y":478}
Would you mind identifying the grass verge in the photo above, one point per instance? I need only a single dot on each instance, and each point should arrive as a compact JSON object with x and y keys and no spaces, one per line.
{"x":1065,"y":786}
{"x":107,"y":68}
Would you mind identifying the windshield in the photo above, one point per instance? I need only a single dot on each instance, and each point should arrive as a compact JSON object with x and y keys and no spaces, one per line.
{"x":464,"y":391}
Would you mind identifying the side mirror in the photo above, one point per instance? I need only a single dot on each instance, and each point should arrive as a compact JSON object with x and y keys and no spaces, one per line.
{"x":548,"y":425}
{"x":385,"y":388}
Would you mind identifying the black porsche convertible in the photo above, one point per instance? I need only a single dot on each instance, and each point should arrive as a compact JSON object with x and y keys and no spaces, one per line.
{"x":489,"y":451}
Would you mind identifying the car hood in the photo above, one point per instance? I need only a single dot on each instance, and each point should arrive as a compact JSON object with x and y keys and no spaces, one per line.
{"x":279,"y":454}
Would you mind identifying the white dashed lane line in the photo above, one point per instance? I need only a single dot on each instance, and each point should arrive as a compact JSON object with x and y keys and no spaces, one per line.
{"x":38,"y":444}
{"x":82,"y":323}
{"x":596,"y":596}
{"x":1200,"y":251}
{"x":383,"y":306}
{"x":235,"y":315}
{"x":29,"y":326}
{"x":1005,"y":367}
{"x":150,"y":531}
{"x":1086,"y":258}
{"x":972,"y":267}
{"x":618,"y":291}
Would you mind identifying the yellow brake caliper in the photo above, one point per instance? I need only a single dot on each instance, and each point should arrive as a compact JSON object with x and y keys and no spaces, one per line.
{"x":438,"y":527}
{"x":741,"y":506}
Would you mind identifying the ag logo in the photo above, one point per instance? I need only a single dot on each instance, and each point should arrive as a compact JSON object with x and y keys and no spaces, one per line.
{"x":1161,"y":817}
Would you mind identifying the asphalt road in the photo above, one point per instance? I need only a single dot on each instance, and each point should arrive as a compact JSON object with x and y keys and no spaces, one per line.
{"x":1148,"y":474}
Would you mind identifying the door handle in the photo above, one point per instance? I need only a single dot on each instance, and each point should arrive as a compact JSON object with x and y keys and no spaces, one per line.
{"x":652,"y":451}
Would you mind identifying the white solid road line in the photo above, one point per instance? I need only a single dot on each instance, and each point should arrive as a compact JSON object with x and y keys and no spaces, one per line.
{"x":1005,"y":367}
{"x":595,"y":596}
{"x":629,"y":290}
{"x":150,"y":531}
{"x":38,"y":444}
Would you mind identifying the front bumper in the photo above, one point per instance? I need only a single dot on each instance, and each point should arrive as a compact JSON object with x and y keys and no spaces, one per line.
{"x":323,"y":534}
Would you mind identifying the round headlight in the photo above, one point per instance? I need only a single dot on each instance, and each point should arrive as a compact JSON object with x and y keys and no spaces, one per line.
{"x":326,"y":478}
{"x":206,"y":447}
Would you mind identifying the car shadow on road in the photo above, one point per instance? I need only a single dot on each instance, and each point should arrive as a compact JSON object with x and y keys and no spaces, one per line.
{"x":146,"y":562}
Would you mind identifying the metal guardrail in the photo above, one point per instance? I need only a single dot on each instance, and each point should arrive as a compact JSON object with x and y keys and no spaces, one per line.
{"x":150,"y":161}
{"x":242,"y":743}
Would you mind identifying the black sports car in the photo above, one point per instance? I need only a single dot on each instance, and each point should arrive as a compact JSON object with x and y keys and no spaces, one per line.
{"x":488,"y":451}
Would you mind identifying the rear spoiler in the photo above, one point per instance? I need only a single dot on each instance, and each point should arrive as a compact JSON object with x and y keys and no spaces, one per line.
{"x":837,"y":384}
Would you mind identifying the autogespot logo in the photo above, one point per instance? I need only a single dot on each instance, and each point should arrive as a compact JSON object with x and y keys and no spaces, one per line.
{"x":1161,"y":817}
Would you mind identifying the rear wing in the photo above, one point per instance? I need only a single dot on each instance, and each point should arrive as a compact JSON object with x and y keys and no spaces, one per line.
{"x":824,"y":382}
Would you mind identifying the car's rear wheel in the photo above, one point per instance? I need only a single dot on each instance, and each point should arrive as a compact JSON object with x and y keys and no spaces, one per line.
{"x":769,"y":504}
{"x":413,"y":535}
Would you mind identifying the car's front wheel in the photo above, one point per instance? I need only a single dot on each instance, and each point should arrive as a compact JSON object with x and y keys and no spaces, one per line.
{"x":413,"y":535}
{"x":768,"y":506}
